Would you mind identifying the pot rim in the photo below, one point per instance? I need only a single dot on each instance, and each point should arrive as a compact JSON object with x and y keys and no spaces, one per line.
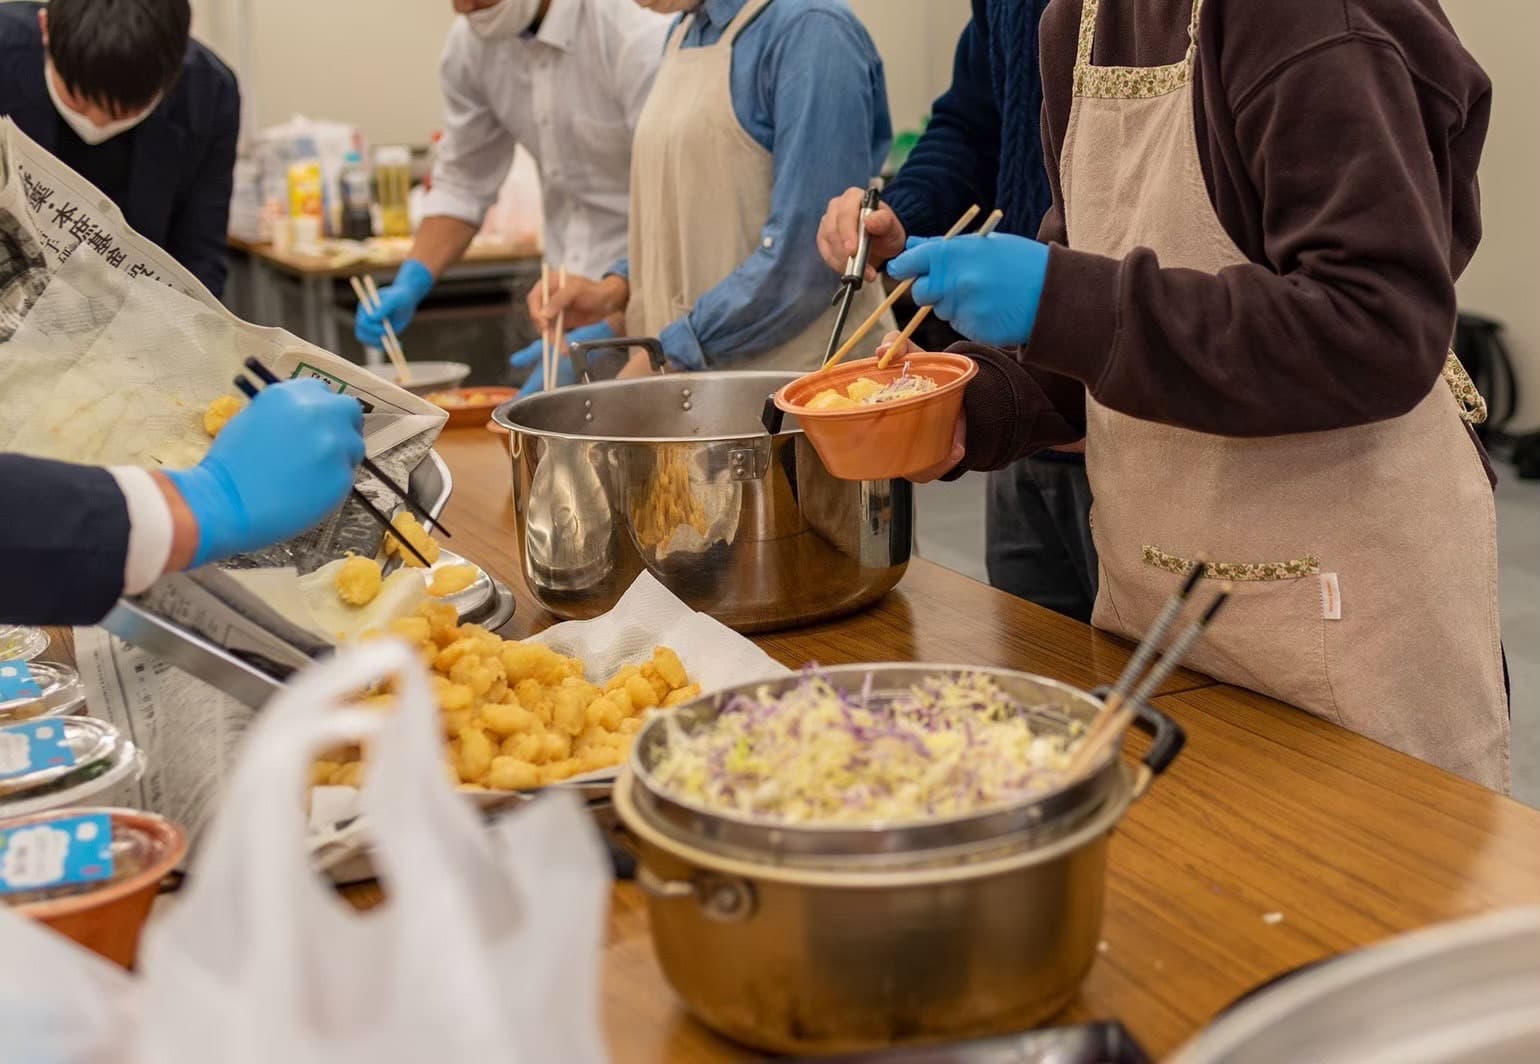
{"x":1099,"y":823}
{"x":503,"y":416}
{"x":1088,"y":783}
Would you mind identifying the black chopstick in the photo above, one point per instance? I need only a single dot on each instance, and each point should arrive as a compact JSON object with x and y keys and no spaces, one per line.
{"x":266,"y":376}
{"x":250,"y":391}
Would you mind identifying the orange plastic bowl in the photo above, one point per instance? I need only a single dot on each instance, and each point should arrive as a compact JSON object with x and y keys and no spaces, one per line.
{"x":888,"y":439}
{"x":108,"y":918}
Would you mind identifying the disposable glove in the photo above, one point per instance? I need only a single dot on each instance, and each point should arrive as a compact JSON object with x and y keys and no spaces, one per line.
{"x":565,"y":374}
{"x":398,"y":302}
{"x":277,"y":469}
{"x":986,"y":287}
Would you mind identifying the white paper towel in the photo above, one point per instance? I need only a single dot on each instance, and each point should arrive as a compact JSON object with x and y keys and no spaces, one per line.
{"x":648,"y":615}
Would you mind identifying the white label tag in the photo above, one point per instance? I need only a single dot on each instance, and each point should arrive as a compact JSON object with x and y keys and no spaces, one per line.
{"x":1331,"y":598}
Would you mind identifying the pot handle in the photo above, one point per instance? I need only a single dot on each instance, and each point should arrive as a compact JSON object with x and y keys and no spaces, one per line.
{"x":1167,"y":739}
{"x":772,"y":416}
{"x":578,"y":352}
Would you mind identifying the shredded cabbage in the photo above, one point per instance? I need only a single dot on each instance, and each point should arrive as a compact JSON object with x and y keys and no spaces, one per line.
{"x":904,"y":387}
{"x":949,"y":746}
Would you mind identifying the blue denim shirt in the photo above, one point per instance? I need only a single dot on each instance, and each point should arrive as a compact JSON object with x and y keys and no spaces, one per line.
{"x":807,"y":84}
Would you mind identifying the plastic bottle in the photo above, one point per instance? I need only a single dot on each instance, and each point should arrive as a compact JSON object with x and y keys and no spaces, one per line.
{"x":393,"y":184}
{"x":305,"y":195}
{"x":357,"y":220}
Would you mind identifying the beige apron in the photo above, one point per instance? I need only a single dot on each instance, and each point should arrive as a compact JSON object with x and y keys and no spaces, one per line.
{"x":700,"y":197}
{"x":1364,"y":559}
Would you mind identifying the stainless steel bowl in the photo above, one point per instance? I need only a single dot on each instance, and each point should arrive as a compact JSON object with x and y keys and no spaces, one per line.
{"x":804,"y":939}
{"x":677,"y":475}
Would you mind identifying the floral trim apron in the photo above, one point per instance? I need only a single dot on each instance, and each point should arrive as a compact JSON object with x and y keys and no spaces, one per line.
{"x":1364,"y":559}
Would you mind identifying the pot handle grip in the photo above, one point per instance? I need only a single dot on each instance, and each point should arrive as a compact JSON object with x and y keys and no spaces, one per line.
{"x":1166,"y":735}
{"x":578,"y":351}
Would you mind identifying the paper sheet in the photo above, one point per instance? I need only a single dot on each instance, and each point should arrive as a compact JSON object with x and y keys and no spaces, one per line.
{"x":310,"y":602}
{"x":648,"y":615}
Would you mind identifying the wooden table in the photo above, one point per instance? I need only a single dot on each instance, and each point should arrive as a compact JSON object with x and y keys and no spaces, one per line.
{"x":1268,"y":811}
{"x":316,"y":276}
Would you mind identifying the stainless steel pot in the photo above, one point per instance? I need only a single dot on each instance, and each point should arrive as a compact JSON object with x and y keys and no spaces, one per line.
{"x":676,"y":475}
{"x":802,"y":939}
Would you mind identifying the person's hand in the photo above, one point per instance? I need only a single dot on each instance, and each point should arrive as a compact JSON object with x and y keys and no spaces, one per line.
{"x":529,"y":356}
{"x":907,"y":348}
{"x":398,"y":302}
{"x":959,"y":449}
{"x":585,"y":300}
{"x":986,"y":287}
{"x":278,"y":468}
{"x":639,"y":364}
{"x":839,"y":231}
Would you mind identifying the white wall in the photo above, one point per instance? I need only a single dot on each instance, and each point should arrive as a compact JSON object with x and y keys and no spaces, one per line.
{"x":1504,"y":278}
{"x":916,"y":39}
{"x":348,"y":60}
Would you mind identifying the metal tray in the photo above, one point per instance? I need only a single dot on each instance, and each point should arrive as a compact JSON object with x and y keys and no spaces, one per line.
{"x":244,"y":680}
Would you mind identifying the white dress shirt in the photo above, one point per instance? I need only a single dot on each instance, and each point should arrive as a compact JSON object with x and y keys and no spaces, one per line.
{"x":149,"y":528}
{"x":571,"y":94}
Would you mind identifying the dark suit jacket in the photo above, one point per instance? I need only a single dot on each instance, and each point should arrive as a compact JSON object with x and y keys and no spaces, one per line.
{"x":63,"y":542}
{"x":183,"y":154}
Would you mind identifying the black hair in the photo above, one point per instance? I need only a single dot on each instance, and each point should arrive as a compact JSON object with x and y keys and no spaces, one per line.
{"x":118,"y":53}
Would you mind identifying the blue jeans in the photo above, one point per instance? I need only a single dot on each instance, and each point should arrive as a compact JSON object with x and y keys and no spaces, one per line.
{"x":1038,"y":546}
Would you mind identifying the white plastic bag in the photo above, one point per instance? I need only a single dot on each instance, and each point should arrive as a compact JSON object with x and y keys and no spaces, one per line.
{"x":487,"y":949}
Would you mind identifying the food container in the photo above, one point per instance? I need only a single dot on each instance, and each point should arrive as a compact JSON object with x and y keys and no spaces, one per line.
{"x":428,"y":377}
{"x":677,"y":475}
{"x":55,"y":762}
{"x":107,"y":915}
{"x":470,"y":408}
{"x":886,"y":439}
{"x":825,"y":939}
{"x":1460,"y":993}
{"x":59,"y":692}
{"x":20,"y":643}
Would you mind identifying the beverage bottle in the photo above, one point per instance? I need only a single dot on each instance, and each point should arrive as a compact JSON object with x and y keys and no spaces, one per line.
{"x":357,"y":221}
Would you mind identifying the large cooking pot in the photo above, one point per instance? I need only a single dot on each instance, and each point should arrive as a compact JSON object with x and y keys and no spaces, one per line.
{"x":799,"y":939}
{"x":678,"y":476}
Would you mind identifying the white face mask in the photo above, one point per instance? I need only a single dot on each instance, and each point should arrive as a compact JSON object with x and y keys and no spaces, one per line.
{"x":504,"y":20}
{"x":86,"y":129}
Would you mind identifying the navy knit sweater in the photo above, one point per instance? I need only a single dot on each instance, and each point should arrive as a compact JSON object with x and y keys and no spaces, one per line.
{"x":984,"y":142}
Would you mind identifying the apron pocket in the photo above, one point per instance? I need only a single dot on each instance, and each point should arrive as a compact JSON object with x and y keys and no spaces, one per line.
{"x":1271,"y":635}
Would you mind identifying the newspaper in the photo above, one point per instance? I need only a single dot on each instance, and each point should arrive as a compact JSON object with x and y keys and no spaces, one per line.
{"x":189,"y":732}
{"x":110,"y":351}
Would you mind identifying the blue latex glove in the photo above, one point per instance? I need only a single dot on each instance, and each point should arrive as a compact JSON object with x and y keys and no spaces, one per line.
{"x":398,"y":302}
{"x":279,"y":467}
{"x":986,"y":287}
{"x":565,"y":374}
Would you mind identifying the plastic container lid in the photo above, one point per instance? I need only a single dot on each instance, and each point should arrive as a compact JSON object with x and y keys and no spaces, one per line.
{"x":143,"y":846}
{"x":20,"y":643}
{"x":52,"y":763}
{"x":61,"y":693}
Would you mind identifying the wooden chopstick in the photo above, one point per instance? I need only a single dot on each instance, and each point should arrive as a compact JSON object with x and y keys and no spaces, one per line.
{"x":545,"y":333}
{"x":893,"y":297}
{"x":267,"y":376}
{"x":924,"y":312}
{"x":369,"y":296}
{"x":561,"y":333}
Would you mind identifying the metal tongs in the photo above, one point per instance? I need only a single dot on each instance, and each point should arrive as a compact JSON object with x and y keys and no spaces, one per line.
{"x":1136,"y":685}
{"x":266,"y":376}
{"x":855,"y":272}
